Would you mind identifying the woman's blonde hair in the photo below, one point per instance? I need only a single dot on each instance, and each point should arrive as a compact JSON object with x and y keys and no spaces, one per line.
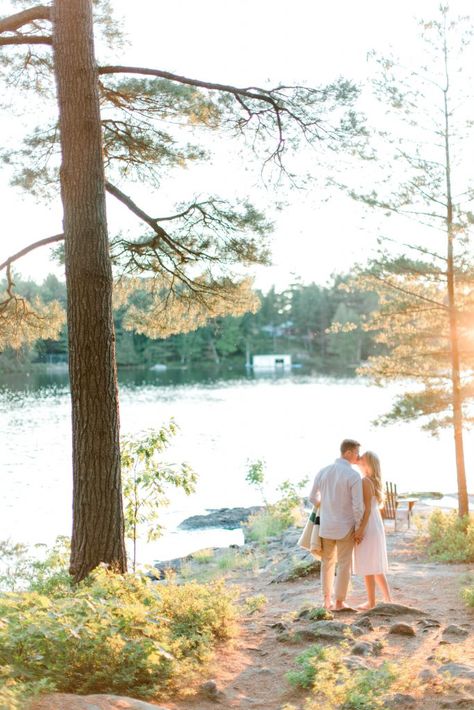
{"x":373,"y":463}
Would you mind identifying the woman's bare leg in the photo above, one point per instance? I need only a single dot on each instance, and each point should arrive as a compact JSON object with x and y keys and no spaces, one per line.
{"x":382,"y":583}
{"x":369,"y":580}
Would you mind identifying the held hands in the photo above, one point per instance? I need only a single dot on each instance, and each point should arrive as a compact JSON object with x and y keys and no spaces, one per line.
{"x":358,"y":535}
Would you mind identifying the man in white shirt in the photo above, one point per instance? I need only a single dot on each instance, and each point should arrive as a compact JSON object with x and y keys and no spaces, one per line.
{"x":337,"y":489}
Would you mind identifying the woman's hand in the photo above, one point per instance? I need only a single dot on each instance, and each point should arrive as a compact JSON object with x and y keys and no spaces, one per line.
{"x":358,"y":535}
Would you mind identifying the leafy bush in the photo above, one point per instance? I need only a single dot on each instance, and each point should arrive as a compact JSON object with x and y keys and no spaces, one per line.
{"x":146,"y":479}
{"x":449,"y":538}
{"x":114,"y":633}
{"x":255,"y":603}
{"x":336,"y":686}
{"x":43,"y":571}
{"x":275,"y":517}
{"x":468,"y":591}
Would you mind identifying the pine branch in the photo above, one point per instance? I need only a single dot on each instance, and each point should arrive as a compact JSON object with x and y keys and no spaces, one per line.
{"x":26,"y":17}
{"x":26,"y":39}
{"x":35,"y":245}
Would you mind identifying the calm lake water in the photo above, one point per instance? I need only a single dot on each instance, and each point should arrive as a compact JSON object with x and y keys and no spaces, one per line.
{"x":294,"y":422}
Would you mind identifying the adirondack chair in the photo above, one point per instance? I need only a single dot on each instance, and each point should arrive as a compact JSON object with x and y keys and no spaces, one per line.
{"x":389,"y":510}
{"x":393,"y":503}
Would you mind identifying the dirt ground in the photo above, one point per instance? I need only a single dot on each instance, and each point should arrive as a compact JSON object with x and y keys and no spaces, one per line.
{"x":251,"y":674}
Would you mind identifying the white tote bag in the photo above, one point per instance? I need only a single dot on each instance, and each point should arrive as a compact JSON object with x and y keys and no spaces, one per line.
{"x":310,"y":539}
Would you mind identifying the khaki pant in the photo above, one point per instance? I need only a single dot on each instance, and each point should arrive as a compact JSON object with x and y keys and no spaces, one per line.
{"x":344,"y":548}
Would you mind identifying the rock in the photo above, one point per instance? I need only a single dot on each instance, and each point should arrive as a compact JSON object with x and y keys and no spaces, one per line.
{"x":402,"y":630}
{"x":229,"y":518}
{"x":315,"y":613}
{"x":279,"y":626}
{"x":391,"y":609}
{"x":429,"y":624}
{"x":363,"y":623}
{"x":457,"y":670}
{"x":455,"y":631}
{"x":291,"y":572}
{"x":61,"y":701}
{"x":401,"y":699}
{"x":426,"y":675}
{"x":326,"y":631}
{"x":362,"y":648}
{"x":210,"y":690}
{"x":464,"y":702}
{"x":355,"y":664}
{"x":264,"y":671}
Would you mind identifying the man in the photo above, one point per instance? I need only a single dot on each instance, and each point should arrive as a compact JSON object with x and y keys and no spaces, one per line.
{"x":337,"y":489}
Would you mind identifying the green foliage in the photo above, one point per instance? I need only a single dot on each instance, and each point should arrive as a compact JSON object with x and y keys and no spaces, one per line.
{"x":276,"y":517}
{"x":45,"y":574}
{"x":256,"y":476}
{"x":335,"y":686}
{"x":145,"y":480}
{"x":255,"y":603}
{"x":113,"y":633}
{"x":448,"y":538}
{"x":468,"y":591}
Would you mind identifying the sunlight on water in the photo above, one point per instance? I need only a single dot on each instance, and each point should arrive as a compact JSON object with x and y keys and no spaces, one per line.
{"x":295,"y":423}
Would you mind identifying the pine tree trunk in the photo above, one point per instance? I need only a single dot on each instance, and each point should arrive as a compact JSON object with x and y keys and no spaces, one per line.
{"x":458,"y":419}
{"x":98,"y":525}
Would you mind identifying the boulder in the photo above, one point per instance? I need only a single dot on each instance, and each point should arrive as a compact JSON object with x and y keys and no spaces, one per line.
{"x":363,"y":624}
{"x":453,"y":631}
{"x":210,"y":690}
{"x":326,"y":631}
{"x":362,"y":648}
{"x":402,"y":630}
{"x":391,"y":609}
{"x":229,"y":518}
{"x":457,"y":670}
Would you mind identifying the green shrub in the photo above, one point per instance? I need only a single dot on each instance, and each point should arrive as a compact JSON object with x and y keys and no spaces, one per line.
{"x":44,"y":571}
{"x":264,"y":524}
{"x":275,"y":517}
{"x":255,"y":603}
{"x":468,"y":591}
{"x":118,"y":634}
{"x":335,"y":686}
{"x":449,"y":538}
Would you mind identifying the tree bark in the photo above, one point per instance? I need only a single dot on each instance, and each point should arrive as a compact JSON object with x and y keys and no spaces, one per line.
{"x":98,"y":523}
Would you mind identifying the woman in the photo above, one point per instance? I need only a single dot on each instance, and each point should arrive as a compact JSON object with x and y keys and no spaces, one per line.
{"x":370,"y":551}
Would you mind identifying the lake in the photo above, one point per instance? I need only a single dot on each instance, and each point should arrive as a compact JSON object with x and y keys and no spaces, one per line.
{"x":293,"y":421}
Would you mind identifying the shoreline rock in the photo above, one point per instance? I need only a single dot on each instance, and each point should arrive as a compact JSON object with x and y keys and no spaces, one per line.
{"x":228,"y":518}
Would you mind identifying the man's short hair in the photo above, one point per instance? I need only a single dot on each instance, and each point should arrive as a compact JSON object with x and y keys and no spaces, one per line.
{"x":349,"y":445}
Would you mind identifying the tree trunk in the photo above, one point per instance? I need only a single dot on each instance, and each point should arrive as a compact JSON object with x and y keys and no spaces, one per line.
{"x":98,"y":523}
{"x":463,"y":500}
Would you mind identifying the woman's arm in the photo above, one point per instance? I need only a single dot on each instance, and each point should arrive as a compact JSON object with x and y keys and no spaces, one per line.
{"x":367,"y":493}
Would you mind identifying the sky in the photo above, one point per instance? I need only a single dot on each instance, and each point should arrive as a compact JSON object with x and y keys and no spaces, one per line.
{"x":249,"y":42}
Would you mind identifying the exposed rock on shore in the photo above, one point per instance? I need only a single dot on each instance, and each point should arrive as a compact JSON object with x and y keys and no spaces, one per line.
{"x":229,"y":518}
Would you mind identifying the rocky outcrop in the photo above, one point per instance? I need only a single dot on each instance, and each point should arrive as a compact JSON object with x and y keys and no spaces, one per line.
{"x":228,"y":518}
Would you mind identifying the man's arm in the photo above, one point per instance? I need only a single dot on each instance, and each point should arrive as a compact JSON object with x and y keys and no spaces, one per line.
{"x":314,"y":496}
{"x":357,"y":501}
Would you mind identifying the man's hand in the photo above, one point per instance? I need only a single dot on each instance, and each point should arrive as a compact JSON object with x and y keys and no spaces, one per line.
{"x":358,"y":536}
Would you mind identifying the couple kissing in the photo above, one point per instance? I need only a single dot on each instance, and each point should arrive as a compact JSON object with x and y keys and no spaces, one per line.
{"x":351,"y":526}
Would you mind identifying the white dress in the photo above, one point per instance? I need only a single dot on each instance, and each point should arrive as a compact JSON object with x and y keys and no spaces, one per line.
{"x":370,"y":555}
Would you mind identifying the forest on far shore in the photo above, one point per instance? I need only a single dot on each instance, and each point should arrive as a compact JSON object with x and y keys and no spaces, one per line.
{"x":297,"y":321}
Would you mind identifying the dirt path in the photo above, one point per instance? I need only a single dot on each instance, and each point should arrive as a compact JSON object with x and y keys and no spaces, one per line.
{"x":252,"y":675}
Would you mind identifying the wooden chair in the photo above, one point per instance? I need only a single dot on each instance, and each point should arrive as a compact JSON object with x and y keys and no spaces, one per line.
{"x":389,"y":510}
{"x":393,"y":503}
